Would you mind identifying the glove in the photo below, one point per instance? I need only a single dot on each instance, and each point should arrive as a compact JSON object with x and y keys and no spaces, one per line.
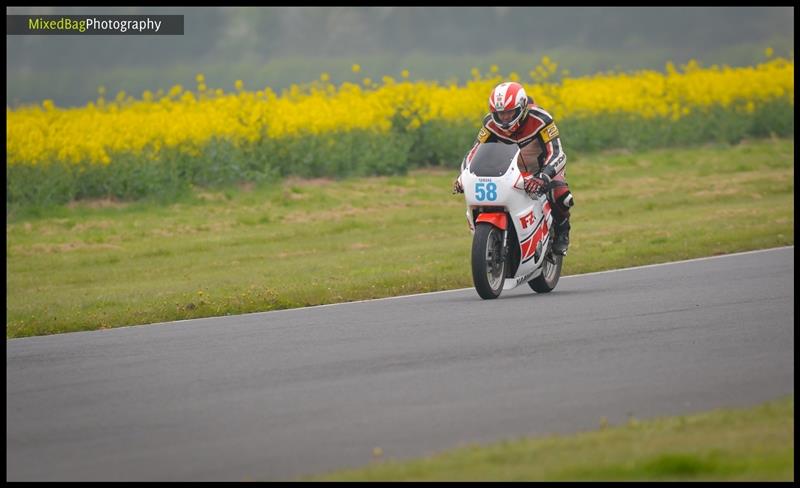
{"x":457,"y":188}
{"x":537,"y":184}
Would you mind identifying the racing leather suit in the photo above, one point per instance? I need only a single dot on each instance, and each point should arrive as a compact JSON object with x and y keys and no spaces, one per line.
{"x":540,"y":151}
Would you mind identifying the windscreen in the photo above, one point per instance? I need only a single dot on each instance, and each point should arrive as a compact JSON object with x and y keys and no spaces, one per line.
{"x":492,"y":159}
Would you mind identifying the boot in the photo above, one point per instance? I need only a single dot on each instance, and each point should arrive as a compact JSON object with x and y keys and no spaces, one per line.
{"x":562,"y":237}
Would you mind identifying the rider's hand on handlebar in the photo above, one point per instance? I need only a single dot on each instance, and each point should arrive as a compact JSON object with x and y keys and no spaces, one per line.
{"x":457,"y":188}
{"x":537,"y":184}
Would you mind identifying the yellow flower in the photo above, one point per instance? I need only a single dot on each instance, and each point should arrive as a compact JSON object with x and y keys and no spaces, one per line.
{"x":175,"y":91}
{"x":356,"y":68}
{"x":185,"y":122}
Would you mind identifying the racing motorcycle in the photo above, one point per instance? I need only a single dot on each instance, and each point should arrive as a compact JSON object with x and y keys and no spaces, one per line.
{"x":512,"y":239}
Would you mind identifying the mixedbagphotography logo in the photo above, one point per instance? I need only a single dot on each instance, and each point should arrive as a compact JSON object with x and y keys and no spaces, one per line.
{"x":94,"y":24}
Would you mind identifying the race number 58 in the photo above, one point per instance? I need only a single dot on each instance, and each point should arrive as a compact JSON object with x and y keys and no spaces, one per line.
{"x":485,"y":191}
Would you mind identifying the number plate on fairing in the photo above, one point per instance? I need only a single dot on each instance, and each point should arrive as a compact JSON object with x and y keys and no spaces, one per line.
{"x":485,"y":191}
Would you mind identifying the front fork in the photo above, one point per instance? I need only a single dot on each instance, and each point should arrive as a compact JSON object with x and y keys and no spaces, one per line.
{"x":504,"y":254}
{"x":499,"y":221}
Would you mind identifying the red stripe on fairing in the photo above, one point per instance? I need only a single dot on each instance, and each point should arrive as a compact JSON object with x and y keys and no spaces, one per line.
{"x":472,"y":153}
{"x":529,"y":246}
{"x":497,"y":219}
{"x":546,"y":208}
{"x":520,"y":183}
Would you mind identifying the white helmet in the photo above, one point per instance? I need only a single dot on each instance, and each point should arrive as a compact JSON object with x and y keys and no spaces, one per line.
{"x":508,"y":105}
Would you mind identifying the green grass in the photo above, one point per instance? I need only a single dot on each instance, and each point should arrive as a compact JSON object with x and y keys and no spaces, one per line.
{"x":295,"y":243}
{"x":748,"y":444}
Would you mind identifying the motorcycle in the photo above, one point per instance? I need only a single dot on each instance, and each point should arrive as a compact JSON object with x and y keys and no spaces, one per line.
{"x":512,"y":239}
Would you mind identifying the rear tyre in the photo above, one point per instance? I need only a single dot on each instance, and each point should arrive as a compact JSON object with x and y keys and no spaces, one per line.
{"x":551,"y":272}
{"x":488,"y":265}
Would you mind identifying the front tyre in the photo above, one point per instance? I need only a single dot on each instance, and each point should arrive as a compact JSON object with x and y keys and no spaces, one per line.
{"x":488,"y":265}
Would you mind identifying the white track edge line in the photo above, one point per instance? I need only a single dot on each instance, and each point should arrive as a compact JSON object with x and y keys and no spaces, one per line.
{"x":632,"y":268}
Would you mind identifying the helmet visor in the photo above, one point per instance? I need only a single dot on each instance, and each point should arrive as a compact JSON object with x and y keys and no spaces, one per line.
{"x":506,"y":118}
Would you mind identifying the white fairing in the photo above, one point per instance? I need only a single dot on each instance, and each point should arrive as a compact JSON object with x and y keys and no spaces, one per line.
{"x":528,"y":216}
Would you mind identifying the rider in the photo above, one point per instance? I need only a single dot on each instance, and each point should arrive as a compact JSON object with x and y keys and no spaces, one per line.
{"x":514,"y":118}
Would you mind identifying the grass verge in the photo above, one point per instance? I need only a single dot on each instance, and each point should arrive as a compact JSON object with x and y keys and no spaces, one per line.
{"x":165,"y":173}
{"x":749,"y":444}
{"x":293,"y":243}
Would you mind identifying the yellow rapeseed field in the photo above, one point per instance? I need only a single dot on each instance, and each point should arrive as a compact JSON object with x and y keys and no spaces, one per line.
{"x":188,"y":119}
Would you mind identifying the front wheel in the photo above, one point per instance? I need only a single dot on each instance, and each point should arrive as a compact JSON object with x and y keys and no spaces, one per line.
{"x":551,"y":272}
{"x":488,"y":265}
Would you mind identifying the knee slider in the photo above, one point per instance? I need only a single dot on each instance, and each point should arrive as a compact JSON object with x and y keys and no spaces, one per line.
{"x":563,"y":197}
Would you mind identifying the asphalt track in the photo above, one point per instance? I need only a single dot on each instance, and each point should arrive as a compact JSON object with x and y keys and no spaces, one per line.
{"x":275,"y":395}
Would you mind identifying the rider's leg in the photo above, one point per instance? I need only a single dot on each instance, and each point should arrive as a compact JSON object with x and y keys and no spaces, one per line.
{"x":561,"y":201}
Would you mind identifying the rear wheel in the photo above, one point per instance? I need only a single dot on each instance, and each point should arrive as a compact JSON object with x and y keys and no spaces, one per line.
{"x":488,"y":265}
{"x":551,"y":272}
